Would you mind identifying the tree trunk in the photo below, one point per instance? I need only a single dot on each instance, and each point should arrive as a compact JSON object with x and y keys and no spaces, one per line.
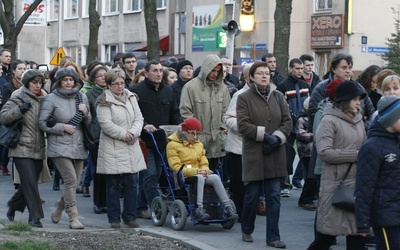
{"x":282,"y":14}
{"x":94,"y":25}
{"x":153,"y":38}
{"x":11,"y":29}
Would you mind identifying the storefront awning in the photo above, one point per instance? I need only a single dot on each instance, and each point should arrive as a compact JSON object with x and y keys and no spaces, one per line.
{"x":164,"y":45}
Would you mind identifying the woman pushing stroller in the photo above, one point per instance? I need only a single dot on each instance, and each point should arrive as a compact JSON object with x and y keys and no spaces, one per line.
{"x":185,"y":148}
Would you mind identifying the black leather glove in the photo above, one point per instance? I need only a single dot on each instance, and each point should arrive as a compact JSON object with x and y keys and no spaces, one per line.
{"x":25,"y":106}
{"x":271,"y":142}
{"x":51,"y":122}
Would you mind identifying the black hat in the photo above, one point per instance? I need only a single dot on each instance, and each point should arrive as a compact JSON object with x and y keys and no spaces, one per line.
{"x":183,"y":64}
{"x":139,"y":65}
{"x":29,"y":75}
{"x":347,"y":90}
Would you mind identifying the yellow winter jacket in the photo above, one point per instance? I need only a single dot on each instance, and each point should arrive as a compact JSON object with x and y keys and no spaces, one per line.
{"x":180,"y":151}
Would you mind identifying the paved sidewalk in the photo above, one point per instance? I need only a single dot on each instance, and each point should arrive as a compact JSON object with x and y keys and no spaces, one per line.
{"x":296,"y":224}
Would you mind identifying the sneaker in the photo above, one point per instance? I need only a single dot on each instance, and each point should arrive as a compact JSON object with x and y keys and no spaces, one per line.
{"x":247,"y":237}
{"x":308,"y":206}
{"x":298,"y":185}
{"x":200,"y":214}
{"x":115,"y":225}
{"x":285,"y":193}
{"x":144,"y":214}
{"x":230,"y":213}
{"x":276,"y":244}
{"x":132,"y":224}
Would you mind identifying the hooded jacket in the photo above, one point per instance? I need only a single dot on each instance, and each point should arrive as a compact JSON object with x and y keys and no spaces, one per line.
{"x":207,"y":101}
{"x":377,"y":187}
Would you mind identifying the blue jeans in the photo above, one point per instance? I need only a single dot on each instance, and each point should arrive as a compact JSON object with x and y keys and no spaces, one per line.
{"x":298,"y":174}
{"x":148,"y":188}
{"x":89,"y":172}
{"x":129,"y":184}
{"x":272,"y":189}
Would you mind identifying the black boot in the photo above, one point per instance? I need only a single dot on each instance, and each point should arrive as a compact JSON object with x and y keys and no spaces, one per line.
{"x":11,"y":214}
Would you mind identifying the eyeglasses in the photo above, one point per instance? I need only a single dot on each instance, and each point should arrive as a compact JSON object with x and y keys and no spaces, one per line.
{"x":118,"y":84}
{"x":36,"y":82}
{"x":266,"y":73}
{"x":187,"y":68}
{"x":227,"y":64}
{"x":100,"y":76}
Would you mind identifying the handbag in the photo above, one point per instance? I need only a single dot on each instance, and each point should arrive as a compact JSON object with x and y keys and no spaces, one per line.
{"x":9,"y":135}
{"x":343,"y":197}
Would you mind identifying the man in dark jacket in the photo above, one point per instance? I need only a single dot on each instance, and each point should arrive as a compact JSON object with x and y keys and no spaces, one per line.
{"x":271,"y":61}
{"x":341,"y":66}
{"x":309,"y":75}
{"x":296,"y":91}
{"x":158,"y":107}
{"x":130,"y":62}
{"x":5,"y":63}
{"x":185,"y":73}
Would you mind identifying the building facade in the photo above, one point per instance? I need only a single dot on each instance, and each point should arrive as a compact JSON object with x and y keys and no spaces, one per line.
{"x":318,"y":27}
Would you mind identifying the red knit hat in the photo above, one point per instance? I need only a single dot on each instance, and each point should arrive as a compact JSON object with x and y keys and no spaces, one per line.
{"x":331,"y":88}
{"x":191,"y":123}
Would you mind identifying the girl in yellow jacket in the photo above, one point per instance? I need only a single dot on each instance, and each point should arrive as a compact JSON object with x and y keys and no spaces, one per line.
{"x":185,"y":148}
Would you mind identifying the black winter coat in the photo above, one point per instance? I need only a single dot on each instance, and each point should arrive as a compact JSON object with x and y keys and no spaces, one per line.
{"x":377,"y":182}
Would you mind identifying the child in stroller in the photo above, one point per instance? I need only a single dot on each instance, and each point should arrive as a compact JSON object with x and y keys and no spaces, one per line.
{"x":185,"y":148}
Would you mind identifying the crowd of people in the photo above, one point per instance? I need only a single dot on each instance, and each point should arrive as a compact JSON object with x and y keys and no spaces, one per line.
{"x":246,"y":127}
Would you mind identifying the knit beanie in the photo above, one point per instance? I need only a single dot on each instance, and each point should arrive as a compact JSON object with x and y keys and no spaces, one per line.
{"x":331,"y":88}
{"x":347,"y":90}
{"x":191,"y":123}
{"x":63,"y":72}
{"x":183,"y":64}
{"x":388,"y":110}
{"x":29,"y":75}
{"x":139,"y":65}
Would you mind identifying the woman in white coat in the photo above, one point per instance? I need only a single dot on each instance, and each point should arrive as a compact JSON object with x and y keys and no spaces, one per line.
{"x":120,"y":157}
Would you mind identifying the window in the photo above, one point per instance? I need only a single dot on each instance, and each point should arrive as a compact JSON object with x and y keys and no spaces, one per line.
{"x":323,"y":5}
{"x":85,"y":7}
{"x":161,"y":4}
{"x":132,"y":5}
{"x":111,"y":50}
{"x":71,"y":8}
{"x":53,"y":10}
{"x":110,"y":6}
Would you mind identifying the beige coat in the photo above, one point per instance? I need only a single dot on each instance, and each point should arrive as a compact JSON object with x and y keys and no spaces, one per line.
{"x":116,"y":119}
{"x":338,"y":140}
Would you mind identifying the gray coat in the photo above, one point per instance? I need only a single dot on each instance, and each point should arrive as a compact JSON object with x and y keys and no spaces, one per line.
{"x":31,"y":142}
{"x":255,"y":116}
{"x":338,"y":138}
{"x":63,"y":108}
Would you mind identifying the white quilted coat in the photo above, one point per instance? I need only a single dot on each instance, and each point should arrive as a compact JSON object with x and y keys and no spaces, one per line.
{"x":116,"y":119}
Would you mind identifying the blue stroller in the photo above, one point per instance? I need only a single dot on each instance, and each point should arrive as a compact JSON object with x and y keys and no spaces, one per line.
{"x":178,"y":198}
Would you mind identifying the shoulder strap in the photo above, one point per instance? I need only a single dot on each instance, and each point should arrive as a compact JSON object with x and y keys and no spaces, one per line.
{"x":277,"y":98}
{"x":348,"y":170}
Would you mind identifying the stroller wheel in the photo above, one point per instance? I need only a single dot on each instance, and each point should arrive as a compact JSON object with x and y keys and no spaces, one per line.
{"x":178,"y":215}
{"x":229,"y":223}
{"x":158,"y":211}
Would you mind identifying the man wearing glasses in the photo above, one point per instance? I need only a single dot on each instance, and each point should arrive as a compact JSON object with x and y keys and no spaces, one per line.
{"x":129,"y":61}
{"x":229,"y":77}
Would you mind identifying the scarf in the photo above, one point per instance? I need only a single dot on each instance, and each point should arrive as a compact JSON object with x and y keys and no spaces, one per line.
{"x":78,"y":117}
{"x":264,"y":92}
